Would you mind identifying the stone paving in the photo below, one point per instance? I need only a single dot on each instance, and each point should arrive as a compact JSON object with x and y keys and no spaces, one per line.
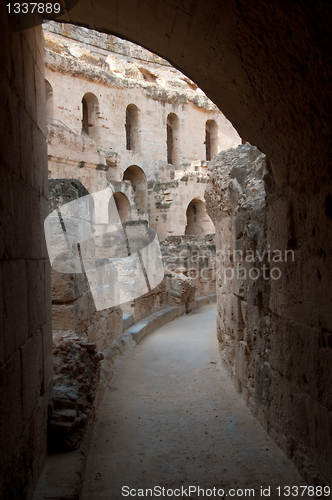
{"x":171,"y":418}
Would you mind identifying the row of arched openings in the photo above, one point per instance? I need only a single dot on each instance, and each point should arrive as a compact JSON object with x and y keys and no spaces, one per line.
{"x":197,"y":221}
{"x":90,"y":112}
{"x":196,"y":212}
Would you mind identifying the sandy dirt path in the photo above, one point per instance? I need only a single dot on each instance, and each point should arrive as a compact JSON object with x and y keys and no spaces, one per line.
{"x":171,"y":418}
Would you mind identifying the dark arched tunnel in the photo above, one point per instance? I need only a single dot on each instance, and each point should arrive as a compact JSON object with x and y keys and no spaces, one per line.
{"x":267,"y":66}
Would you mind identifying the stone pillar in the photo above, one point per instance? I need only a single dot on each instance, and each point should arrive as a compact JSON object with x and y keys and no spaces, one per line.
{"x":25,"y":289}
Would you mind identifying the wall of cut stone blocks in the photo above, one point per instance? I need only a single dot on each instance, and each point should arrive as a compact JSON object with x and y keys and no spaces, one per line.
{"x":274,"y":318}
{"x":74,"y":69}
{"x":168,"y":203}
{"x":25,"y":287}
{"x":69,"y":90}
{"x":74,"y":156}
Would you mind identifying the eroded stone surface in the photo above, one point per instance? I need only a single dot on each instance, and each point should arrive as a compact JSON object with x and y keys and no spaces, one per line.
{"x":118,"y":75}
{"x":73,"y":306}
{"x":76,"y":376}
{"x":269,"y":350}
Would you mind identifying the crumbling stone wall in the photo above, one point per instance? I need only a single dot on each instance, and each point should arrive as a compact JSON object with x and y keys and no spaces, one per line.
{"x":279,"y":364}
{"x":151,"y":302}
{"x":74,"y":68}
{"x":169,"y":200}
{"x":193,"y":257}
{"x":73,"y":307}
{"x":72,"y":303}
{"x":75,"y":381}
{"x":119,"y":74}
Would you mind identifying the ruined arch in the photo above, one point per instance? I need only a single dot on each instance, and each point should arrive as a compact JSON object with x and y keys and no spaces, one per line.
{"x":198,"y":221}
{"x":133,"y":128}
{"x":137,"y":177}
{"x":211,"y":139}
{"x":49,"y":101}
{"x":173,"y":140}
{"x":90,"y":111}
{"x":123,"y":206}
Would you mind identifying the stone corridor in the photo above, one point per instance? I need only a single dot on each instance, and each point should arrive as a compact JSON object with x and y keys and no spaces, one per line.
{"x":268,"y":67}
{"x":171,"y":417}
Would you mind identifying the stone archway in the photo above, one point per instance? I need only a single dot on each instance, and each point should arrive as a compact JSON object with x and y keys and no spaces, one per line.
{"x":49,"y":101}
{"x":198,"y":221}
{"x":137,"y":177}
{"x":211,"y":139}
{"x":132,"y":128}
{"x":90,"y":110}
{"x":123,"y":206}
{"x":268,"y":67}
{"x":243,"y":60}
{"x":173,"y":140}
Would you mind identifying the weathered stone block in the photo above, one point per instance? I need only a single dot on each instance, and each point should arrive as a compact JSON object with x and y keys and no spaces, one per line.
{"x":40,"y":171}
{"x":36,"y":294}
{"x":32,"y":373}
{"x":10,"y":130}
{"x":10,"y":406}
{"x":15,"y":293}
{"x":29,"y":86}
{"x":47,"y":355}
{"x":29,"y":40}
{"x":36,"y":236}
{"x":48,"y":290}
{"x":26,"y":139}
{"x":66,"y":287}
{"x":64,"y":317}
{"x":39,"y":436}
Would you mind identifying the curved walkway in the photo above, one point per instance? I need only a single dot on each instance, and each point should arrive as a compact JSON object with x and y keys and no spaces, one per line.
{"x":171,"y":418}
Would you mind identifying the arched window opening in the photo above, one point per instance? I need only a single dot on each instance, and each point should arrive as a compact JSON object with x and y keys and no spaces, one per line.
{"x":123,"y":207}
{"x":90,"y":110}
{"x":49,"y":101}
{"x":172,"y":140}
{"x":137,"y":177}
{"x":198,"y":221}
{"x":169,"y":145}
{"x":211,"y":139}
{"x":132,"y":128}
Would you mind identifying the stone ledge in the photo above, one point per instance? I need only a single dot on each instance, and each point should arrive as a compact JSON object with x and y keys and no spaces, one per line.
{"x":200,"y":302}
{"x":156,"y":320}
{"x":63,"y":473}
{"x":128,"y":321}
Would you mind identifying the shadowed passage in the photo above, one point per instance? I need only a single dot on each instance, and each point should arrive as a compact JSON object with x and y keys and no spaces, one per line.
{"x":171,"y":419}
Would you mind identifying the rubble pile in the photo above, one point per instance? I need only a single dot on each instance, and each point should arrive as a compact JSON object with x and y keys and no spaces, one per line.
{"x":182,"y":289}
{"x":76,"y":376}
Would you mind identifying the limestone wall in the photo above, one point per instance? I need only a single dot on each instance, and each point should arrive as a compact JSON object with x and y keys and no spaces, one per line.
{"x":25,"y":288}
{"x":192,"y":257}
{"x":278,"y":359}
{"x":74,"y":69}
{"x":189,"y":263}
{"x":169,"y":201}
{"x":119,"y":74}
{"x":73,"y":307}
